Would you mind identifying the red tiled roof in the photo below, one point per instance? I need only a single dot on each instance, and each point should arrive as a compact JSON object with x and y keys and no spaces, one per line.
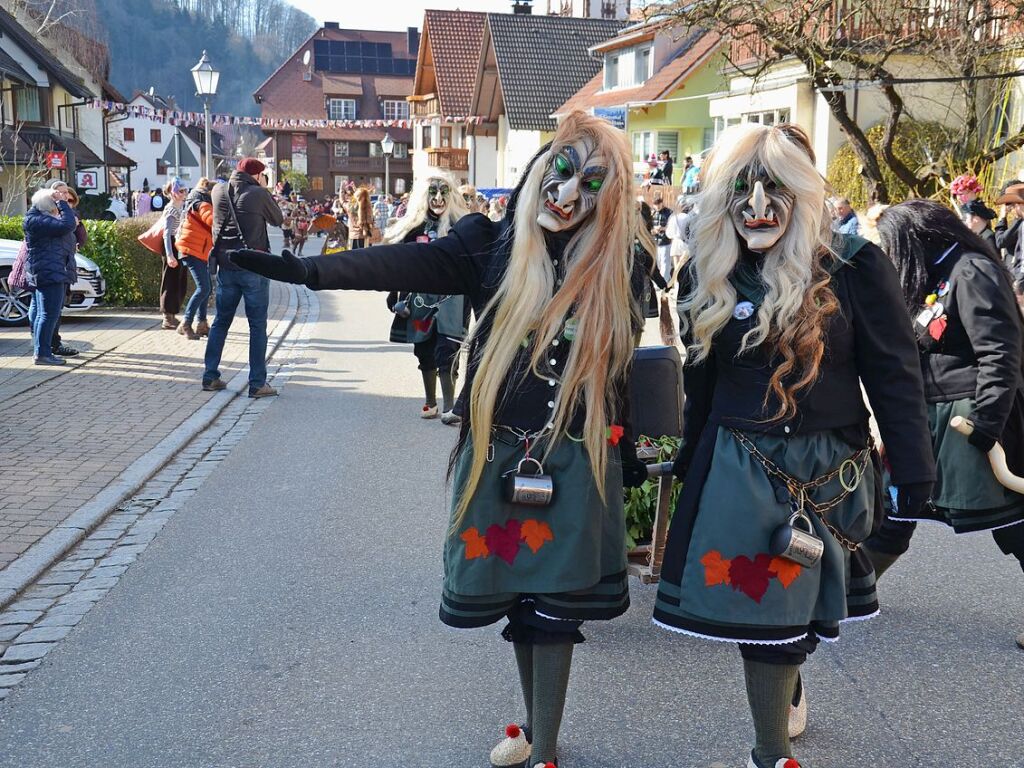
{"x":662,"y":83}
{"x":401,"y":135}
{"x":455,"y":38}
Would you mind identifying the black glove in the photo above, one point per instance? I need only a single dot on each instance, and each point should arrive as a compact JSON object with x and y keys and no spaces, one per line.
{"x":911,"y":498}
{"x":284,"y":268}
{"x":981,"y":441}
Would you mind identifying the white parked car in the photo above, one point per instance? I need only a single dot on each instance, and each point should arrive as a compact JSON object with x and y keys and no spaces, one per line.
{"x":87,"y":292}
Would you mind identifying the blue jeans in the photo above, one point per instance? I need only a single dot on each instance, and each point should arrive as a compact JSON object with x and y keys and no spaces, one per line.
{"x":200,"y":272}
{"x":232,"y":286}
{"x":43,"y":315}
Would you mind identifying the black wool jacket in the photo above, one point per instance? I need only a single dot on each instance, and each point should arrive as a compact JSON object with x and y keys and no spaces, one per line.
{"x":869,"y":341}
{"x":980,"y":353}
{"x":470,"y":261}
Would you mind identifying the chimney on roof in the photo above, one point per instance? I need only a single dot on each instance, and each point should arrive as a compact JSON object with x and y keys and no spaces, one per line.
{"x":331,"y":25}
{"x":522,"y":6}
{"x":413,"y":39}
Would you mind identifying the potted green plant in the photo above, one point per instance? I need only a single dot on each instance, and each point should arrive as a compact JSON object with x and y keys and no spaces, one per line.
{"x":640,"y":503}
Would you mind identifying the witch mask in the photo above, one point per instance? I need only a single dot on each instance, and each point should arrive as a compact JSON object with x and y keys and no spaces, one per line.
{"x":571,"y":184}
{"x":438,"y":192}
{"x":761,"y":207}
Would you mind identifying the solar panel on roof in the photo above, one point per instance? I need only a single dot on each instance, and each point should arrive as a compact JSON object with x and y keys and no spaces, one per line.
{"x":359,"y":58}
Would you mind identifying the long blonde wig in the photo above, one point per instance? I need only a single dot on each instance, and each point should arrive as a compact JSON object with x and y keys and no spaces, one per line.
{"x":798,"y":299}
{"x":596,"y":291}
{"x":419,"y":205}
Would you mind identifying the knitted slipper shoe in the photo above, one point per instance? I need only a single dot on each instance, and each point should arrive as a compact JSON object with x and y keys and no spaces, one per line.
{"x":798,"y":711}
{"x":514,"y":750}
{"x":782,"y":762}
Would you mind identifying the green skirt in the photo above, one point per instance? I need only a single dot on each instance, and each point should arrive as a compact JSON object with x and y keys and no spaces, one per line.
{"x":967,"y":495}
{"x":729,"y":586}
{"x":569,"y":558}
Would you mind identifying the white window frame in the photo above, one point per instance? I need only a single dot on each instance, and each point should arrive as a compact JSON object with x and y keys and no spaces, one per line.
{"x":767,"y":116}
{"x":643,"y":144}
{"x":341,"y":109}
{"x":395,"y":109}
{"x":401,"y":151}
{"x":611,"y":71}
{"x":341,"y":149}
{"x":399,"y":186}
{"x":376,"y":150}
{"x":639,"y":78}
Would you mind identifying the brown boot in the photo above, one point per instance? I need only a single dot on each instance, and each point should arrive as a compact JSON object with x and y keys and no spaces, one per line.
{"x":185,"y":329}
{"x":202,"y":328}
{"x":170,"y":322}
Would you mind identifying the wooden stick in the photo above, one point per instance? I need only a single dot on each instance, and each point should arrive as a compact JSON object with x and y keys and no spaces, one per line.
{"x":996,"y":457}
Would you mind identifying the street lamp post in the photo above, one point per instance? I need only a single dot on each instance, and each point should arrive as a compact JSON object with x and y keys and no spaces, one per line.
{"x":387,"y":146}
{"x":206,"y":78}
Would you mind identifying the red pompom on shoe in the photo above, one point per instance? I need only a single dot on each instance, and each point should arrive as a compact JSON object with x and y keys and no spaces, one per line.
{"x":552,"y":765}
{"x":513,"y":731}
{"x":791,"y":763}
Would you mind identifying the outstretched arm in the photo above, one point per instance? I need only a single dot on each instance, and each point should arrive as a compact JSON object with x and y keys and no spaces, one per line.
{"x":448,"y":265}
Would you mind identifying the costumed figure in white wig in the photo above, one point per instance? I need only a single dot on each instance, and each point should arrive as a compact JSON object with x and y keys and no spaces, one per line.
{"x":783,"y":322}
{"x":537,"y":532}
{"x":434,"y":324}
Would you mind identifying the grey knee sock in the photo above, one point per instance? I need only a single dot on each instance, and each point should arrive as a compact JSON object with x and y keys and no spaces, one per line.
{"x":770,"y":690}
{"x":881,"y":561}
{"x":551,"y":664}
{"x":447,"y":390}
{"x":524,"y":660}
{"x":430,"y":386}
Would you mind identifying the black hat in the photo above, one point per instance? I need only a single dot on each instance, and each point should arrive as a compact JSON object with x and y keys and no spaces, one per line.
{"x":978,"y":208}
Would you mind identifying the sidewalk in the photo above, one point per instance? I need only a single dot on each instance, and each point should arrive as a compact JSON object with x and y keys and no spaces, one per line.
{"x":67,"y":433}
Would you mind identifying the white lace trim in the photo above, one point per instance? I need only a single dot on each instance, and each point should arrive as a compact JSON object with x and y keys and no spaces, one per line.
{"x":679,"y":631}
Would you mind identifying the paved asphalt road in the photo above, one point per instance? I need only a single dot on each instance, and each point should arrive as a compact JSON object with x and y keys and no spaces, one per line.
{"x":287,"y":618}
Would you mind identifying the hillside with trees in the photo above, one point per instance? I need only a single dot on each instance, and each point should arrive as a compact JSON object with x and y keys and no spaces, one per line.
{"x":154,"y":43}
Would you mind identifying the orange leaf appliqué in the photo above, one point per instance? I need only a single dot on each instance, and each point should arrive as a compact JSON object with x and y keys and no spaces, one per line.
{"x":476,"y":545}
{"x":535,"y":533}
{"x":785,"y":570}
{"x":716,"y":568}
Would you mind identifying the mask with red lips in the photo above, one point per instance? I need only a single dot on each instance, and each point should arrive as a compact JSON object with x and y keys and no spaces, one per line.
{"x":761,"y":207}
{"x":571,"y":184}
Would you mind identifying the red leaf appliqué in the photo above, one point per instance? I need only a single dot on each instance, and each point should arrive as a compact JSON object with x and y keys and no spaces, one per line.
{"x":422,"y":326}
{"x":748,"y":576}
{"x":504,"y":542}
{"x":614,"y":433}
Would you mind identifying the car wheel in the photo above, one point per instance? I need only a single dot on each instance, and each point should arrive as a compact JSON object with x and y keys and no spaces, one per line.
{"x":13,"y":304}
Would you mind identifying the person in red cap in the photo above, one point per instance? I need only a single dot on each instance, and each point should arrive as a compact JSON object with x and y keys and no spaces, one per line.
{"x":242,"y":209}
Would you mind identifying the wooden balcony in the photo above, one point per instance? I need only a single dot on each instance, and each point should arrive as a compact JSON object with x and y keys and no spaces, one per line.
{"x":449,"y":158}
{"x":369,"y":164}
{"x":426,"y":105}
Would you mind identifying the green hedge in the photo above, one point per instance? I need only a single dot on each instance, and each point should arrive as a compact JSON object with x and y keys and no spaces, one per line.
{"x":132,"y":273}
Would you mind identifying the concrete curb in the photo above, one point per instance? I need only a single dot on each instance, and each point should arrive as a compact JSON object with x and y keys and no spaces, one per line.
{"x":41,"y":555}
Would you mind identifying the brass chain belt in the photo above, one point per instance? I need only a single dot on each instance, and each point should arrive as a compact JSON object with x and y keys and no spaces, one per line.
{"x":799,"y":491}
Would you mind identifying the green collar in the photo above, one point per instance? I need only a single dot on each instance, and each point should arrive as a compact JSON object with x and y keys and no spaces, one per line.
{"x":746,"y":276}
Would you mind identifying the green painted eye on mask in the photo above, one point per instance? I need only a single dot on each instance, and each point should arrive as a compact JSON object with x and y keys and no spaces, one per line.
{"x":562,"y":166}
{"x":594,"y":185}
{"x":740,"y":185}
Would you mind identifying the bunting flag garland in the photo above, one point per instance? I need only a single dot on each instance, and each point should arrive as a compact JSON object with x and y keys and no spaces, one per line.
{"x":188,"y":119}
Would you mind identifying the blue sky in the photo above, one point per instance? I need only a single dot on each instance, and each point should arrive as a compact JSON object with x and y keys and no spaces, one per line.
{"x":395,"y":14}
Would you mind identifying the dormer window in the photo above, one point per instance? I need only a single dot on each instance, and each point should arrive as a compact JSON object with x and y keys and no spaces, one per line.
{"x":628,"y":68}
{"x":341,"y":109}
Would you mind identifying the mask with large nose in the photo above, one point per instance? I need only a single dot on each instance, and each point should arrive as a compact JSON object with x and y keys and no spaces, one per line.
{"x":571,"y":184}
{"x":438,"y":192}
{"x":761,"y":208}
